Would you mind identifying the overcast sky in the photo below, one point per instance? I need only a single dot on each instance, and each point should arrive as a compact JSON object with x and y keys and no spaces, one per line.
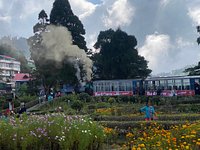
{"x":165,"y":29}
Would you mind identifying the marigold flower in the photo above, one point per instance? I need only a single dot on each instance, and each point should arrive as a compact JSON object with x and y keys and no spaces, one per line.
{"x":174,"y":139}
{"x":187,"y":147}
{"x":141,"y":145}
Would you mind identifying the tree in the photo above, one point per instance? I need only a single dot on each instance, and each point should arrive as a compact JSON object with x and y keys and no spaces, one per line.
{"x":49,"y":70}
{"x":193,"y":70}
{"x":118,"y":58}
{"x":61,"y":14}
{"x":45,"y":71}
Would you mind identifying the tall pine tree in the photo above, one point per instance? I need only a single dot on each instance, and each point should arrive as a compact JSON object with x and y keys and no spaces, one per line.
{"x":61,"y":14}
{"x":118,"y":58}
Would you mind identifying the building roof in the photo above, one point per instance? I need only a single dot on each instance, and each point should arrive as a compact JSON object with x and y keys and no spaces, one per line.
{"x":22,"y":77}
{"x":6,"y":57}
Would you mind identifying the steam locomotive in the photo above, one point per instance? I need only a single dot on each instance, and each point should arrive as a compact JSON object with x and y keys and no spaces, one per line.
{"x":164,"y":86}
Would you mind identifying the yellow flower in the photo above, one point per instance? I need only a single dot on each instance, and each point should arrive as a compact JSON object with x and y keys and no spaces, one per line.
{"x":141,"y":145}
{"x":133,"y":148}
{"x":187,"y":147}
{"x":129,"y":135}
{"x":184,"y":126}
{"x":182,"y":137}
{"x":193,"y":132}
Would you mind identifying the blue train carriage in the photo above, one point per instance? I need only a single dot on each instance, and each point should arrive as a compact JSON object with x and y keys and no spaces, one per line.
{"x":172,"y":86}
{"x":127,"y":87}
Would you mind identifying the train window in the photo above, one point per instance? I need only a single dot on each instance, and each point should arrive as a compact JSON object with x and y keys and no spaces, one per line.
{"x":163,"y":84}
{"x":121,"y":86}
{"x":94,"y":87}
{"x":169,"y":84}
{"x":157,"y":83}
{"x":98,"y":86}
{"x":169,"y":88}
{"x":107,"y":86}
{"x":178,"y":84}
{"x":149,"y":85}
{"x":186,"y":84}
{"x":116,"y":86}
{"x":128,"y":86}
{"x":196,"y":81}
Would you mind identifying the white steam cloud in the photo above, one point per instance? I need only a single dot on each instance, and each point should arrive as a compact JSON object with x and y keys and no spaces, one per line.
{"x":156,"y":51}
{"x":58,"y":41}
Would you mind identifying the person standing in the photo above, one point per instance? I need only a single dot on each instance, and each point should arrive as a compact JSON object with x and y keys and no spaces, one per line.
{"x":149,"y":111}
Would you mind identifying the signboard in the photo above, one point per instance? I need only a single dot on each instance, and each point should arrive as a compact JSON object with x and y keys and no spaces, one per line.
{"x":172,"y":93}
{"x":113,"y":93}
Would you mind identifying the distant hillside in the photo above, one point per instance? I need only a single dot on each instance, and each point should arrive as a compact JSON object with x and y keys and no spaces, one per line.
{"x":19,"y":44}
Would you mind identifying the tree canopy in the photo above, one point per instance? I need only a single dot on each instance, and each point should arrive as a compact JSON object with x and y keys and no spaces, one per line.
{"x":56,"y":58}
{"x":118,"y":58}
{"x":61,"y":14}
{"x":193,"y":70}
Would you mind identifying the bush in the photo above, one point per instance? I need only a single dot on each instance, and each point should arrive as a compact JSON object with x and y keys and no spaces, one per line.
{"x":77,"y":105}
{"x":85,"y":97}
{"x":102,"y":105}
{"x":111,"y":100}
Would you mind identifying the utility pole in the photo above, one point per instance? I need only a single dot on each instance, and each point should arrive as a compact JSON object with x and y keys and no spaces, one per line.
{"x":198,"y":39}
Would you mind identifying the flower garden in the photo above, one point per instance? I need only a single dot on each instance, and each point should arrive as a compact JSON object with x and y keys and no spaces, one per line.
{"x":81,"y":122}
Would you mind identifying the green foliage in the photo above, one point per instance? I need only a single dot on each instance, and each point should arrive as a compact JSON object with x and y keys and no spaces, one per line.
{"x":118,"y":58}
{"x":23,"y":90}
{"x":61,"y":14}
{"x":193,"y":70}
{"x":85,"y":97}
{"x":111,"y":100}
{"x":77,"y":105}
{"x":102,"y":105}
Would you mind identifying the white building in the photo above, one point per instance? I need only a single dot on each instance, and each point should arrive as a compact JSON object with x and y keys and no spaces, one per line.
{"x":8,"y":67}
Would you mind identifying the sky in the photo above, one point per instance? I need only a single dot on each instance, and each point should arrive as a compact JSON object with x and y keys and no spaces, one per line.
{"x":165,"y":29}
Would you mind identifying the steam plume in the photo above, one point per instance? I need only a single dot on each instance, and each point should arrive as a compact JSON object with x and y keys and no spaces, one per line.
{"x":58,"y":41}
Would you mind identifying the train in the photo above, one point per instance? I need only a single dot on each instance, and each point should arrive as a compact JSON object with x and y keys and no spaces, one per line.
{"x":150,"y":86}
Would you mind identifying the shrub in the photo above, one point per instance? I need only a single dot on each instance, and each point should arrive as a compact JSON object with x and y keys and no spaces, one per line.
{"x":102,"y":105}
{"x":85,"y":97}
{"x":111,"y":100}
{"x":77,"y":105}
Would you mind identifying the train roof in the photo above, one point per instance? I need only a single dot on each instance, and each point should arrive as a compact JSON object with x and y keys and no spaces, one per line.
{"x":117,"y":80}
{"x":149,"y":79}
{"x":171,"y":77}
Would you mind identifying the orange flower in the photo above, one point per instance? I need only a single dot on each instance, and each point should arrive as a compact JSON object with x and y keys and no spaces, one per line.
{"x":174,"y":139}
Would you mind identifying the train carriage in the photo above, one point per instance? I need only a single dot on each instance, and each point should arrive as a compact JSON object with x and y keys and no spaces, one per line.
{"x":171,"y":86}
{"x":165,"y":86}
{"x":128,"y":87}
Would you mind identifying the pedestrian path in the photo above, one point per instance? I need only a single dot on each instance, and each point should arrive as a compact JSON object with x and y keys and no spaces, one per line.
{"x":35,"y":107}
